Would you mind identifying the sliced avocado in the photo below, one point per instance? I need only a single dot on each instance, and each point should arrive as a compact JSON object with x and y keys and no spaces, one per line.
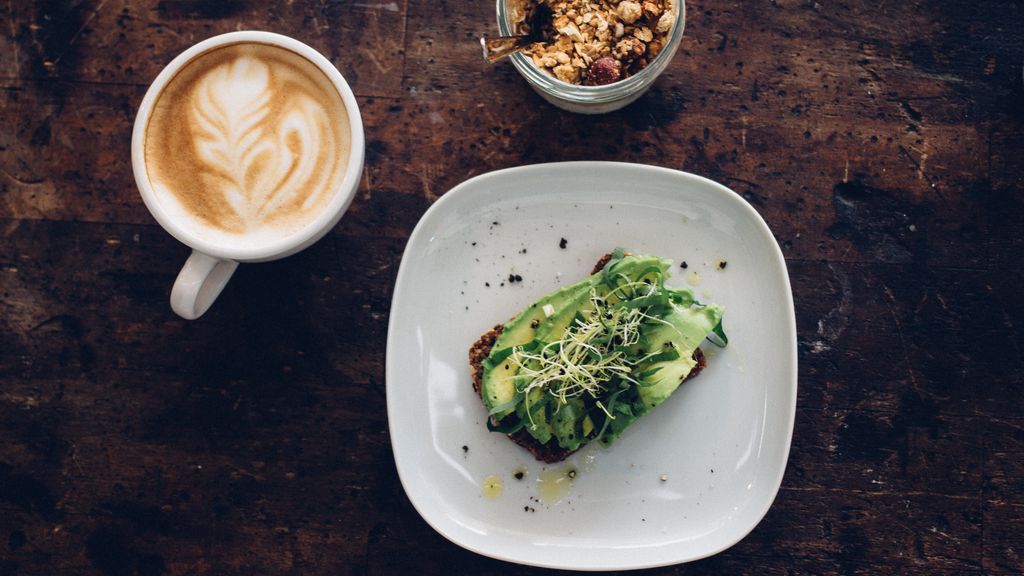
{"x":498,"y":385}
{"x":539,"y":429}
{"x":550,"y":330}
{"x":684,"y":329}
{"x":498,"y":382}
{"x":650,"y":269}
{"x":567,"y":423}
{"x":672,"y":328}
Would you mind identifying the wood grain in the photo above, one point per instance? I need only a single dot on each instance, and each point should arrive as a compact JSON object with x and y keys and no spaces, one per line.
{"x":882,"y":142}
{"x":87,"y":40}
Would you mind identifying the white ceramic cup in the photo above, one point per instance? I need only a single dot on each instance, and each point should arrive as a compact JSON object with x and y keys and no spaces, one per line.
{"x":211,"y":265}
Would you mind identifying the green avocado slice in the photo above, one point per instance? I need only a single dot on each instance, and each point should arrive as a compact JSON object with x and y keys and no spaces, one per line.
{"x":564,"y":306}
{"x":683,"y":331}
{"x":671,"y":327}
{"x":551,"y":330}
{"x":498,"y":382}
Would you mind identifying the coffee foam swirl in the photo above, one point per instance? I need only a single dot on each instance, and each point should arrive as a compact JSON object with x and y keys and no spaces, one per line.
{"x":249,"y":139}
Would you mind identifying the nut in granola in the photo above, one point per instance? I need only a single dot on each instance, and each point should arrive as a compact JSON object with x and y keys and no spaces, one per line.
{"x":605,"y":70}
{"x":629,"y":12}
{"x":629,"y":49}
{"x":630,"y":33}
{"x":651,"y":11}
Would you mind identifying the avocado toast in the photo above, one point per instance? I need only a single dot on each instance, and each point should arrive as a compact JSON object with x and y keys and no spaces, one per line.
{"x":586,"y":361}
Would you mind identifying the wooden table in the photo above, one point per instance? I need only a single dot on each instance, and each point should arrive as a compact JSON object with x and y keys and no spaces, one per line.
{"x":882,"y":142}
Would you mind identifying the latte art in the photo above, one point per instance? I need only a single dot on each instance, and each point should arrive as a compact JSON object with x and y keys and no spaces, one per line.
{"x":248,"y":139}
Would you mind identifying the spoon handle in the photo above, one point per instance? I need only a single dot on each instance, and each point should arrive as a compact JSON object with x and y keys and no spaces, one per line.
{"x":499,"y":47}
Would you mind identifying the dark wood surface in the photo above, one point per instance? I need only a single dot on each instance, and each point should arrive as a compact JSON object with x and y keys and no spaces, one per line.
{"x":883,"y":142}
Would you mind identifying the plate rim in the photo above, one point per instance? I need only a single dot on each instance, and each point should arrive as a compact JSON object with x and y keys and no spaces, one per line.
{"x":792,"y":379}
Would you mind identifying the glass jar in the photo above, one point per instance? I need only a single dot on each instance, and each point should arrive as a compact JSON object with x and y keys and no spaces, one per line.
{"x":592,"y":99}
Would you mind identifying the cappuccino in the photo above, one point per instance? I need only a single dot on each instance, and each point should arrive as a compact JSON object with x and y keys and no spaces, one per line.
{"x":247,"y":144}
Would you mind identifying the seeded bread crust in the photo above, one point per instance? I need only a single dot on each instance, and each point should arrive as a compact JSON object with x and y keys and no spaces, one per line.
{"x":550,"y":452}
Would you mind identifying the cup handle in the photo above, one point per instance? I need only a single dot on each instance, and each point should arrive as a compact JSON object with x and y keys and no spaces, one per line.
{"x":199,"y":283}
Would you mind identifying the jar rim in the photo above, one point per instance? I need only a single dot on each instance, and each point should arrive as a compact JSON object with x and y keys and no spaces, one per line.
{"x":594,"y":94}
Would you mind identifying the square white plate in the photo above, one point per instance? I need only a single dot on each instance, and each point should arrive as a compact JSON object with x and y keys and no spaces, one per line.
{"x":686,"y":481}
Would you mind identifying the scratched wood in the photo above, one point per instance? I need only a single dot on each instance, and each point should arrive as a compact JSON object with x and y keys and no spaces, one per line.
{"x":86,"y":40}
{"x":882,"y":142}
{"x":890,"y":215}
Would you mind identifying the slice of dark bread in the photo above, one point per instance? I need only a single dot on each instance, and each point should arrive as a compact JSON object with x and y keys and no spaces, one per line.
{"x":550,"y":452}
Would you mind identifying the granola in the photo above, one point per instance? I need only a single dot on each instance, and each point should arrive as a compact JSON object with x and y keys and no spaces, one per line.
{"x":596,"y":42}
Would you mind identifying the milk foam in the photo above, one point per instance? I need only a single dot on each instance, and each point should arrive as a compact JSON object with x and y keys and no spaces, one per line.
{"x":247,"y":144}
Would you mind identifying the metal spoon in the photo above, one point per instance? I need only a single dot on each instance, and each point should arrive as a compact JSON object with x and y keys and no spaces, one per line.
{"x":499,"y":47}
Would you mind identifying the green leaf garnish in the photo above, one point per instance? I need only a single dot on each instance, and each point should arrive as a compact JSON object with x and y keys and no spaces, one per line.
{"x":720,"y":339}
{"x":599,"y":364}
